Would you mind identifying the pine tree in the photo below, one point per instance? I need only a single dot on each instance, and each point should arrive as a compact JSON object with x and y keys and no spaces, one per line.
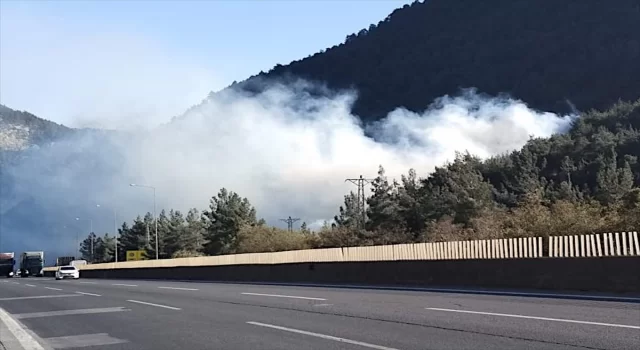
{"x":87,"y":247}
{"x":193,"y":239}
{"x":175,"y":234}
{"x":350,"y":213}
{"x":383,"y":211}
{"x":132,"y":238}
{"x":409,"y":204}
{"x":226,"y":215}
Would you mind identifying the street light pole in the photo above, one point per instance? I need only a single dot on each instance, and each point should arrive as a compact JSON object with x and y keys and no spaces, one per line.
{"x":115,"y":230}
{"x":92,"y":236}
{"x":154,"y":213}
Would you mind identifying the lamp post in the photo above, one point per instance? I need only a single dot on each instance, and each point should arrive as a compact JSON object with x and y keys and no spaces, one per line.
{"x":154,"y":212}
{"x":115,"y":230}
{"x":91,"y":235}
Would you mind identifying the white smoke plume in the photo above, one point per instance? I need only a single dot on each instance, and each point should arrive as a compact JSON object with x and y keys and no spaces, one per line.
{"x":288,"y":152}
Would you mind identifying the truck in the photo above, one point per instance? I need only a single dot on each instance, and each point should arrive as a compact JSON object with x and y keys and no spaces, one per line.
{"x":31,"y":264}
{"x":7,"y":263}
{"x":64,"y":260}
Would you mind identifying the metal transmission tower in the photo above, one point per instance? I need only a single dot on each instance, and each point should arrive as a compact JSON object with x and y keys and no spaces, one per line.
{"x":361,"y":182}
{"x":290,"y":222}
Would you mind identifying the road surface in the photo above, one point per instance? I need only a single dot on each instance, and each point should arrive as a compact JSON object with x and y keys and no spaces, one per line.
{"x":131,"y":314}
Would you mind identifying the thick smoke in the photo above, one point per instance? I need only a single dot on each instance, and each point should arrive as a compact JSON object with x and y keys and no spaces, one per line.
{"x":286,"y":150}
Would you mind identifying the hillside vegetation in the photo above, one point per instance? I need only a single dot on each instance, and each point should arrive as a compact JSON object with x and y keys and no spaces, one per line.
{"x":552,"y":54}
{"x":20,"y":130}
{"x":584,"y":181}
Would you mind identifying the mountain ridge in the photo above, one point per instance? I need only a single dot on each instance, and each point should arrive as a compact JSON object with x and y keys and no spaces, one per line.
{"x":429,"y":49}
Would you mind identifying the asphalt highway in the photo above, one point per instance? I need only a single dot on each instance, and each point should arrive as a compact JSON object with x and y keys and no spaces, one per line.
{"x":41,"y":313}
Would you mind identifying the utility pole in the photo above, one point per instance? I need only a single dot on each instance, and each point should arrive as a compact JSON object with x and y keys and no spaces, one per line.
{"x":361,"y":182}
{"x":290,"y":222}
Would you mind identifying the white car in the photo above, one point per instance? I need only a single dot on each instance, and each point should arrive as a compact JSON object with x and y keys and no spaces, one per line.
{"x":67,"y":272}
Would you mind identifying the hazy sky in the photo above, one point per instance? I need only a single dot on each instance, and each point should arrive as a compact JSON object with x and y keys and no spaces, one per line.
{"x":137,"y":63}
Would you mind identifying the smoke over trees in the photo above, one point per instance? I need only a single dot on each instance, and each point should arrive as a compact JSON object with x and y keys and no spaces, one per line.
{"x":584,"y":181}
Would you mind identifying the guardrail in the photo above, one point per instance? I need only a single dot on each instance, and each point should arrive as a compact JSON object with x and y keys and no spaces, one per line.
{"x":592,"y":245}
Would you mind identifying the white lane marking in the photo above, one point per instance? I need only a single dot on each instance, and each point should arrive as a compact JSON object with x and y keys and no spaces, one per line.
{"x":124,"y":285}
{"x":83,"y":340}
{"x":441,"y":290}
{"x":283,"y":296}
{"x":93,"y":295}
{"x":41,"y":297}
{"x":29,"y":285}
{"x":537,"y":318}
{"x":320,"y":305}
{"x":51,"y":288}
{"x":70,"y":312}
{"x":323,"y":336}
{"x":88,"y":282}
{"x":152,"y":304}
{"x":15,"y":282}
{"x":24,"y":338}
{"x":177,"y":288}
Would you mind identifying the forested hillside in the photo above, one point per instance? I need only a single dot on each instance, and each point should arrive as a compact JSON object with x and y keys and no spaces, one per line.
{"x":551,"y":54}
{"x":584,"y":181}
{"x":20,"y":130}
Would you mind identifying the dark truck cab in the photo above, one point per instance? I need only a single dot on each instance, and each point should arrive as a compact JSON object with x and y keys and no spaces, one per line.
{"x":32,"y":264}
{"x":7,"y":264}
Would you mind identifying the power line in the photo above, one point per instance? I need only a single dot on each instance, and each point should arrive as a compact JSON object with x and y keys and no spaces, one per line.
{"x":290,"y":222}
{"x":361,"y":201}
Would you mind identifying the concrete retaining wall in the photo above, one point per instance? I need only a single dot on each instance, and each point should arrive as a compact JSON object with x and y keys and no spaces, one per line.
{"x":610,"y":274}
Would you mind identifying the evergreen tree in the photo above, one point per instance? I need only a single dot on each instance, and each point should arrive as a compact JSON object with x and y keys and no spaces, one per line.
{"x":350,"y":214}
{"x":193,"y":239}
{"x":227,"y":213}
{"x":383,"y":211}
{"x":174,"y":239}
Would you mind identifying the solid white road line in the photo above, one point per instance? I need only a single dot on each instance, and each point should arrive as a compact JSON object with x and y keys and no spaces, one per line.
{"x":53,"y":288}
{"x":93,"y":295}
{"x":177,"y":288}
{"x":323,"y":336}
{"x":124,"y":285}
{"x":24,"y":338}
{"x":152,"y":304}
{"x":41,"y":297}
{"x":70,"y":312}
{"x":29,"y":285}
{"x":88,"y":282}
{"x":283,"y":296}
{"x":537,"y":318}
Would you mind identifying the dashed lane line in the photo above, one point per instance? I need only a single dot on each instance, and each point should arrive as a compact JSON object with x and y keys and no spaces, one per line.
{"x":536,"y":318}
{"x":283,"y":296}
{"x":156,"y":305}
{"x":177,"y":288}
{"x":323,"y":336}
{"x":91,"y":294}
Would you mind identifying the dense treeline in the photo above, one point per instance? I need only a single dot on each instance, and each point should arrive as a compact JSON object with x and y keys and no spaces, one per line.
{"x":586,"y":180}
{"x":543,"y":52}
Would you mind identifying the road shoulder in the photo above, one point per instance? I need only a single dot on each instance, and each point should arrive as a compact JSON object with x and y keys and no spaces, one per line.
{"x":15,"y":336}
